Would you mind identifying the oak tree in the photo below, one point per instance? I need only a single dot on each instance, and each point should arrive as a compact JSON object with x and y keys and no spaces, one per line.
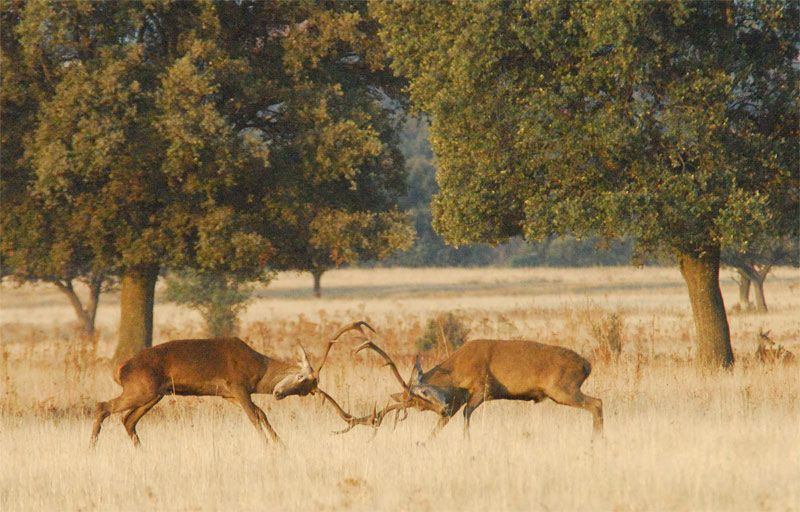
{"x":671,"y":122}
{"x":182,"y":134}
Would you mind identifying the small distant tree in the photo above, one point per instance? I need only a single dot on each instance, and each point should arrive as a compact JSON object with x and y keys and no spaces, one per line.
{"x":38,"y":246}
{"x":754,"y":262}
{"x":339,"y":238}
{"x":218,"y":297}
{"x":445,"y":330}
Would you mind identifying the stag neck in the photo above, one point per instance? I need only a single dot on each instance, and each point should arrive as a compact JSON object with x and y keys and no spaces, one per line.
{"x":275,"y":371}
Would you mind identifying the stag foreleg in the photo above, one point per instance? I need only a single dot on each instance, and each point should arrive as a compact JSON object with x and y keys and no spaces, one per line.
{"x":271,"y":431}
{"x":443,"y":420}
{"x":472,"y":404}
{"x":255,"y":415}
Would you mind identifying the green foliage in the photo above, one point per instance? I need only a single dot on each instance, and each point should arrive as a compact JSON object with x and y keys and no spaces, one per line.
{"x":218,"y":297}
{"x":672,"y":122}
{"x":213,"y":135}
{"x":764,"y":251}
{"x":210,"y":135}
{"x":446,"y":329}
{"x":346,"y":237}
{"x":429,"y":248}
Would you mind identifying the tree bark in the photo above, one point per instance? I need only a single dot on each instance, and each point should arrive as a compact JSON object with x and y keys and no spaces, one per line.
{"x":756,"y":276}
{"x":317,"y":273}
{"x":744,"y":291}
{"x":136,"y":311}
{"x":95,"y":287}
{"x":701,"y":273}
{"x":758,"y":292}
{"x":86,"y":321}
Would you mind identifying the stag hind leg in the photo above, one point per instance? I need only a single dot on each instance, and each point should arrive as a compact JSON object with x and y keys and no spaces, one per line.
{"x":122,"y":403}
{"x":133,"y":416}
{"x":137,"y":391}
{"x":585,"y":402}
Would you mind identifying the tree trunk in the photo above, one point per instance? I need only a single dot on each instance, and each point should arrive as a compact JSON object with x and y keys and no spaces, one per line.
{"x":756,"y":275}
{"x":317,"y":273}
{"x":701,"y":273}
{"x":136,"y":311}
{"x":84,"y":318}
{"x":95,"y":287}
{"x":758,"y":291}
{"x":744,"y":291}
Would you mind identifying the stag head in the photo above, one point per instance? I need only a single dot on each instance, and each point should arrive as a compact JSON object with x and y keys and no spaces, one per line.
{"x":302,"y":381}
{"x":416,"y":393}
{"x":426,"y":397}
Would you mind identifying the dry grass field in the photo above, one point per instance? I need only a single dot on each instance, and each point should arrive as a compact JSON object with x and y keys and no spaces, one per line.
{"x":674,"y":439}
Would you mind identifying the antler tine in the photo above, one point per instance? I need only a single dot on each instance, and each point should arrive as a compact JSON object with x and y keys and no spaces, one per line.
{"x":374,"y":420}
{"x":369,"y":344}
{"x":346,"y":416}
{"x":355,"y":325}
{"x":397,"y":410}
{"x":349,"y":327}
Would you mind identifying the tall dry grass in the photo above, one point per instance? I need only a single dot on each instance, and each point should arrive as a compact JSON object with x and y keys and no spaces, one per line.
{"x":674,"y":439}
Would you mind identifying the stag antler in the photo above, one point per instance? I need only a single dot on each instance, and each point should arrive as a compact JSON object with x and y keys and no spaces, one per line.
{"x":376,"y":418}
{"x":408,"y":398}
{"x":349,"y":327}
{"x":373,"y":420}
{"x":370,"y":345}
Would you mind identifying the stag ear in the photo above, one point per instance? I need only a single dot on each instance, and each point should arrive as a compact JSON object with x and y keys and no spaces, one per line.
{"x":303,"y":356}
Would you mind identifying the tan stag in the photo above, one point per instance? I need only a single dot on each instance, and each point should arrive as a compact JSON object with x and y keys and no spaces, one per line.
{"x":484,"y":370}
{"x":224,"y":367}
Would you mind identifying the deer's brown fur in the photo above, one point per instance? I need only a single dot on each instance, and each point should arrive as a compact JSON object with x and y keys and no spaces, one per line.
{"x":224,"y":367}
{"x":484,"y":370}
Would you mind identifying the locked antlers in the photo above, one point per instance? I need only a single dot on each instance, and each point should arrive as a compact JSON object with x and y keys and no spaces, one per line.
{"x":347,"y":417}
{"x":408,"y":399}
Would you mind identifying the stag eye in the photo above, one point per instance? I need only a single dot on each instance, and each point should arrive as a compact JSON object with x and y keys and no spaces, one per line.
{"x":299,"y":378}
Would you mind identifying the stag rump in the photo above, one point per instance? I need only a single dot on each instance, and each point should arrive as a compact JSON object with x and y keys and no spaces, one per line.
{"x":484,"y":370}
{"x":224,"y":367}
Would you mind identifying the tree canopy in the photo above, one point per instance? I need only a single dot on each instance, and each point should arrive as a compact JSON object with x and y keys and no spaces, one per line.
{"x":191,"y":134}
{"x":672,"y":122}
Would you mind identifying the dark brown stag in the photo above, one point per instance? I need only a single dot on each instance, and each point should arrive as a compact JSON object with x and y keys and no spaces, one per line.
{"x":484,"y":370}
{"x":224,"y":367}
